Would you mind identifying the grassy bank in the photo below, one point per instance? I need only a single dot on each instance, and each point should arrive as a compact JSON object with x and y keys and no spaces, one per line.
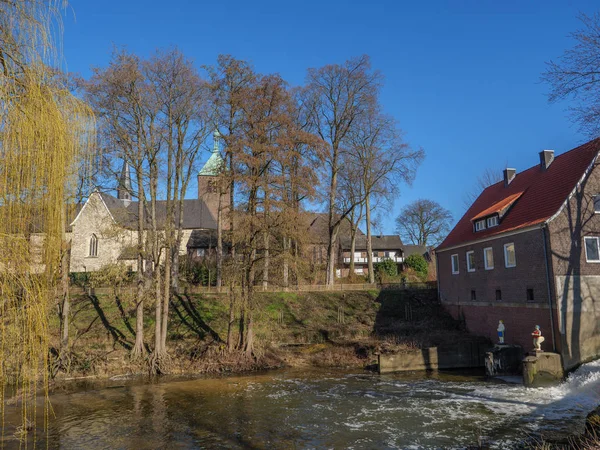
{"x":342,"y":329}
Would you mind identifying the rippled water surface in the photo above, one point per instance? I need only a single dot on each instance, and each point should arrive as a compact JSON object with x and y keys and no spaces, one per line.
{"x":317,"y":409}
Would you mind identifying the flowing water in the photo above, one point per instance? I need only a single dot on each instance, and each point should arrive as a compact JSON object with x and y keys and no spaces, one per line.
{"x":317,"y":409}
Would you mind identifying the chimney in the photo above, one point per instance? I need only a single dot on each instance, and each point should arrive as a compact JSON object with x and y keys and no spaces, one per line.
{"x":509,"y":175}
{"x":546,"y":158}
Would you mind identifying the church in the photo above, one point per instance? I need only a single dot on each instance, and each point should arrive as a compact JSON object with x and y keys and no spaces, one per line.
{"x":105,"y":229}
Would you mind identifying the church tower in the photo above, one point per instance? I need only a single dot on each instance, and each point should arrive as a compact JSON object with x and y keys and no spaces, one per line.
{"x":124,"y":188}
{"x":209,"y":176}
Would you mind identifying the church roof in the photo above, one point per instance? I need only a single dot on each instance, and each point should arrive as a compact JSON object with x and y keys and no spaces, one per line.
{"x":196,"y":213}
{"x":213,"y":166}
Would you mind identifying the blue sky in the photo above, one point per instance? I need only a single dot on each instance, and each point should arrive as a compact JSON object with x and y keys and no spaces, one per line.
{"x":461,"y":77}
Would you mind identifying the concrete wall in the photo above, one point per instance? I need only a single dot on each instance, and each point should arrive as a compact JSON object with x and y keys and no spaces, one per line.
{"x":576,"y":282}
{"x":463,"y":355}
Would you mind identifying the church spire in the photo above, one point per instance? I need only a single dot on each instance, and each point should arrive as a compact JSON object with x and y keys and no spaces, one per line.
{"x":215,"y":163}
{"x":124,"y":189}
{"x":216,"y":141}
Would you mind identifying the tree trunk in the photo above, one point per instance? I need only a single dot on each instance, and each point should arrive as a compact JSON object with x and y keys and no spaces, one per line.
{"x":265,"y":282}
{"x":249,"y":349}
{"x":219,"y":255}
{"x":230,"y":344}
{"x":332,"y":256}
{"x":286,"y":247}
{"x":166,"y":299}
{"x":157,"y":311}
{"x":138,"y":348}
{"x":352,"y":248}
{"x":66,"y":303}
{"x":369,"y":242}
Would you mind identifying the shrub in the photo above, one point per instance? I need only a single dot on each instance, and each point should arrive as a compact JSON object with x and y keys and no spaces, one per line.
{"x":386,"y":267}
{"x":417,"y":263}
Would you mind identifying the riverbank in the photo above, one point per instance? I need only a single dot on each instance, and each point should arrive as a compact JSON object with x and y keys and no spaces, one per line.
{"x":321,"y":329}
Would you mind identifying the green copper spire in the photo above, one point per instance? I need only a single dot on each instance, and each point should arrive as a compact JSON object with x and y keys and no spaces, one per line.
{"x":213,"y":166}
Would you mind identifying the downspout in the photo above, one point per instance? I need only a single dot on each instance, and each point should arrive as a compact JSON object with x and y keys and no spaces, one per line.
{"x":544,"y":233}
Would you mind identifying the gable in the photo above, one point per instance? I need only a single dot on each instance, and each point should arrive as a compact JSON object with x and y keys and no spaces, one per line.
{"x":93,"y":206}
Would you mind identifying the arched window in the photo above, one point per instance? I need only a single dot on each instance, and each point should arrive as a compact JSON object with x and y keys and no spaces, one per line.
{"x":93,"y":245}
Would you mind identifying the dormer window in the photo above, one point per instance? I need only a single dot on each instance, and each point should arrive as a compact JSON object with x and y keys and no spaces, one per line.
{"x":480,"y":225}
{"x":492,"y":221}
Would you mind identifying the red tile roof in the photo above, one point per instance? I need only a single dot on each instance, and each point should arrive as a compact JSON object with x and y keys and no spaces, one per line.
{"x":543,"y":193}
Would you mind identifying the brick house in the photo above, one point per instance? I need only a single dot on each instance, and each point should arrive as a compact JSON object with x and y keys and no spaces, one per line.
{"x":527,"y":251}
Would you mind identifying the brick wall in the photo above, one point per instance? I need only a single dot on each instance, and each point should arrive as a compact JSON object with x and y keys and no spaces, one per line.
{"x":481,"y":315}
{"x":576,"y":282}
{"x":513,"y":282}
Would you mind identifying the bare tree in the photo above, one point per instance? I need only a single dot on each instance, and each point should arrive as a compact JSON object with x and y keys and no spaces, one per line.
{"x":486,"y":179}
{"x":336,"y":97}
{"x":127,"y":124}
{"x":182,"y":98}
{"x":382,"y":160}
{"x":576,"y":75}
{"x":423,"y":222}
{"x":230,"y":80}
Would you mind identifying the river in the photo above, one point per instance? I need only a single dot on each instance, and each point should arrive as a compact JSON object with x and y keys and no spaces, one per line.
{"x":316,"y":409}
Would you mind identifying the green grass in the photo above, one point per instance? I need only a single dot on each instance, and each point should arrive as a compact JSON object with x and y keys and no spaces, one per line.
{"x":101,"y":326}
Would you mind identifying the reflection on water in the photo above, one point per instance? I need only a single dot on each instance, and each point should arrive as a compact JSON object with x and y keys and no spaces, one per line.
{"x":316,"y":409}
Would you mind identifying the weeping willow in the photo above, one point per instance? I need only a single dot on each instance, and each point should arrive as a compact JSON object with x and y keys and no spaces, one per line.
{"x":45,"y":135}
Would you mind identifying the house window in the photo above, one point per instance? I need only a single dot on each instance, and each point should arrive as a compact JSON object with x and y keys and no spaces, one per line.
{"x":498,"y":295}
{"x":592,"y":249}
{"x":492,"y":221}
{"x":454,"y":264}
{"x":387,"y":254}
{"x":488,"y":258}
{"x":199,"y":252}
{"x":473,"y":295}
{"x":597,"y":203}
{"x":480,"y":225}
{"x":529,"y":294}
{"x":510,"y":259}
{"x":93,"y":245}
{"x":471,"y":261}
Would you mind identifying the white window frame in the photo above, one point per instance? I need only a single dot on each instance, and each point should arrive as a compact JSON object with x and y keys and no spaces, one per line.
{"x":480,"y":225}
{"x":494,"y":223}
{"x":506,"y":255}
{"x":485,"y":261}
{"x":93,"y":250}
{"x":596,"y":199}
{"x":597,"y":239}
{"x":455,"y":270}
{"x":469,"y":268}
